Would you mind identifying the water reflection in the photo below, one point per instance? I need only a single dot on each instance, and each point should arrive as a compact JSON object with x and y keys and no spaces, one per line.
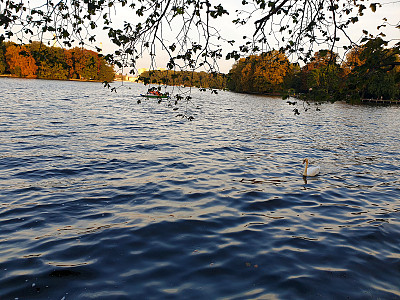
{"x":98,"y":192}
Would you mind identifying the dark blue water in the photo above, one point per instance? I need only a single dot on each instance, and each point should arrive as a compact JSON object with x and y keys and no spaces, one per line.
{"x":104,"y":198}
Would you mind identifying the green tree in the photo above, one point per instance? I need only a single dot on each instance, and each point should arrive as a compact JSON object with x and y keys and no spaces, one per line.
{"x":50,"y":60}
{"x":184,"y":78}
{"x":382,"y":85}
{"x":293,"y":80}
{"x":106,"y":72}
{"x":322,"y":77}
{"x":235,"y":76}
{"x":90,"y":66}
{"x":377,"y":75}
{"x":3,"y":64}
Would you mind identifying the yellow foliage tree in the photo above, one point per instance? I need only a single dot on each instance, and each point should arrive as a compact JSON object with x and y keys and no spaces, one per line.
{"x":352,"y":60}
{"x":263,"y":73}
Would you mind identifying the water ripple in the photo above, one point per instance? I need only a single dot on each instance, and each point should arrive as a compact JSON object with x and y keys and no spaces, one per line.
{"x":104,"y":198}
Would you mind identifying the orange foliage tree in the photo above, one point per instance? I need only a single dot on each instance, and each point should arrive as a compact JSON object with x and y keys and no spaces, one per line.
{"x":75,"y":61}
{"x":37,"y":60}
{"x":20,"y":61}
{"x":87,"y":64}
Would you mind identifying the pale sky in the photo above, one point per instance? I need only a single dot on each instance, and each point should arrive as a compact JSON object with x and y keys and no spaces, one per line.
{"x":390,"y":9}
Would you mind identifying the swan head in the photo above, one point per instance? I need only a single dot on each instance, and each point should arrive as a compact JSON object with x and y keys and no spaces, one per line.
{"x":305,"y":161}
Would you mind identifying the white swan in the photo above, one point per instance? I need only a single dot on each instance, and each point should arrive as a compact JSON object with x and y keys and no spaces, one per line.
{"x":310,"y":171}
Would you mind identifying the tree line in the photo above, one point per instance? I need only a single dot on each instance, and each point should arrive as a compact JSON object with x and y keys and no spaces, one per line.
{"x":184,"y":78}
{"x":368,"y":71}
{"x":371,"y":70}
{"x":36,"y":60}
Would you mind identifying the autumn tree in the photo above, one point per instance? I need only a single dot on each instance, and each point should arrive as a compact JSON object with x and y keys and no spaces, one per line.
{"x":38,"y":60}
{"x":352,"y":60}
{"x":263,"y":73}
{"x":321,"y":59}
{"x":87,"y":64}
{"x":270,"y":71}
{"x":76,"y":59}
{"x":20,"y":61}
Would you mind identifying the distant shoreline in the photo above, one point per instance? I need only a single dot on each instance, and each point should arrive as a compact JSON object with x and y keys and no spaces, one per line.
{"x":81,"y":80}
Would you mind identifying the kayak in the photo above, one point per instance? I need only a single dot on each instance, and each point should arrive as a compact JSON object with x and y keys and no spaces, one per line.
{"x":162,"y":96}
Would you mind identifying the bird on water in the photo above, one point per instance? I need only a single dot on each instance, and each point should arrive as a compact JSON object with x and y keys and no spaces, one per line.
{"x":310,"y":171}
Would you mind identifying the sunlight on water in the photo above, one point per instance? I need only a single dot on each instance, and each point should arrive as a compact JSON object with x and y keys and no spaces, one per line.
{"x":102,"y":197}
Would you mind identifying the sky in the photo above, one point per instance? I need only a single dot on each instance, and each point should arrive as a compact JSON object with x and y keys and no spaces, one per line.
{"x":390,"y":9}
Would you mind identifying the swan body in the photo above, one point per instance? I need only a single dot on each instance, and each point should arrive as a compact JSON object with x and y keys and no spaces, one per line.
{"x":310,"y":171}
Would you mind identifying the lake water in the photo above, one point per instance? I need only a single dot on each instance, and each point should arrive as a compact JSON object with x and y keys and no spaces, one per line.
{"x":104,"y":198}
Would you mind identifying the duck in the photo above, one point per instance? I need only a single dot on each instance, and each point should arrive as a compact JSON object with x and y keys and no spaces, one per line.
{"x":310,"y":171}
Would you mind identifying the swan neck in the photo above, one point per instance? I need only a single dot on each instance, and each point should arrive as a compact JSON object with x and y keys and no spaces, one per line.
{"x":305,"y":169}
